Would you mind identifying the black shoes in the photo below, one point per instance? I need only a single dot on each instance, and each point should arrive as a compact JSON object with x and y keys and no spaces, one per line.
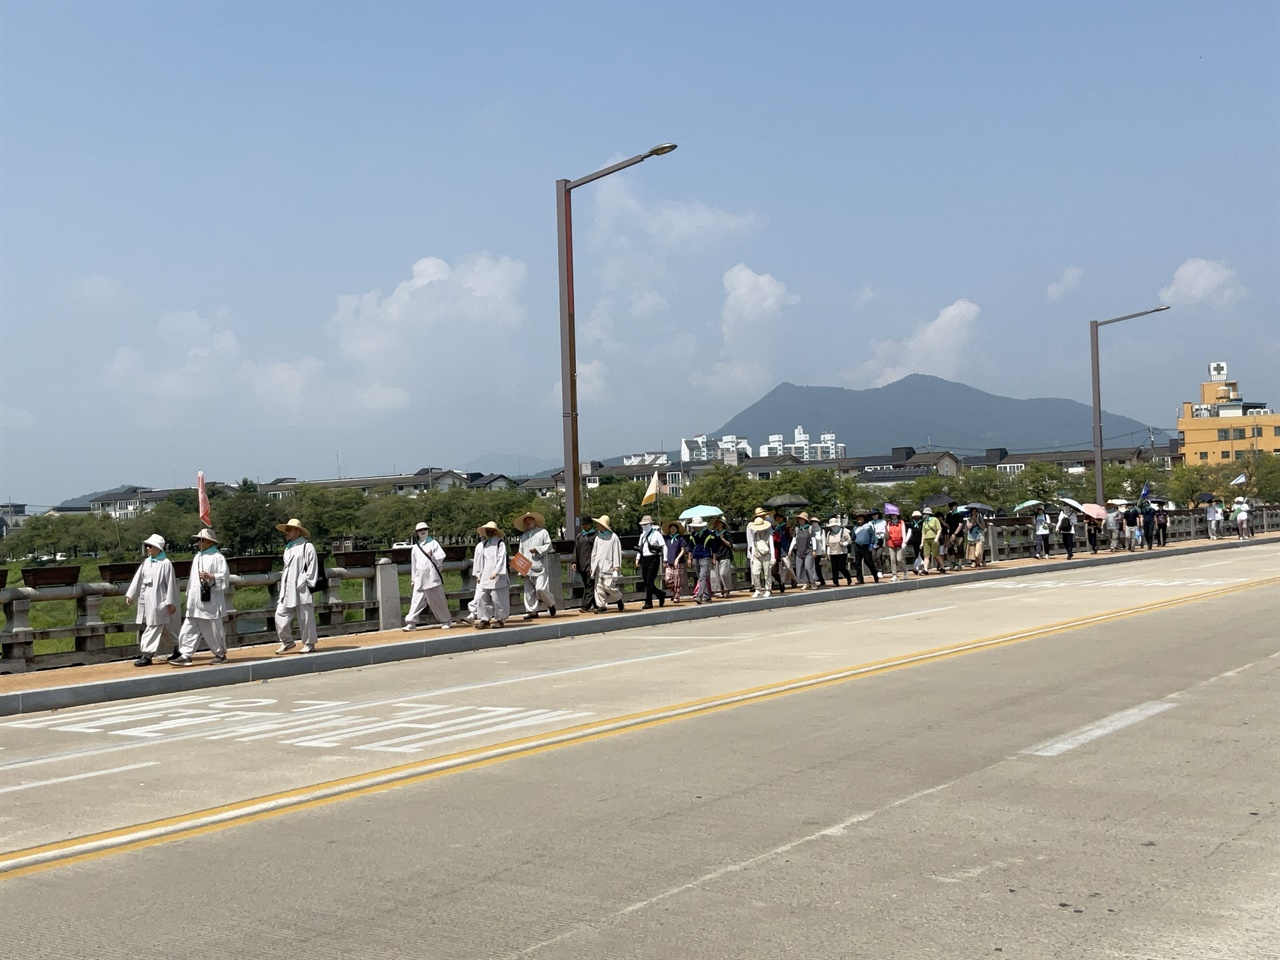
{"x":551,"y":611}
{"x":619,"y":606}
{"x":142,"y":661}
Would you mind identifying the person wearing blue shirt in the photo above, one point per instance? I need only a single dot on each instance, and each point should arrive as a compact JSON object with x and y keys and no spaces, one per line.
{"x":864,"y":541}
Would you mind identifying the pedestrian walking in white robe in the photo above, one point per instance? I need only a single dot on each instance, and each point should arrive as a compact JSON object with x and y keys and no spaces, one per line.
{"x":154,"y":591}
{"x":301,"y":572}
{"x":426,"y":573}
{"x":761,"y":554}
{"x":206,"y":603}
{"x":489,"y":569}
{"x":535,"y":546}
{"x":606,"y":565}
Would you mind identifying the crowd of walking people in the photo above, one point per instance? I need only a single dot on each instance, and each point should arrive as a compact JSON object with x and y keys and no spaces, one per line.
{"x":674,"y":560}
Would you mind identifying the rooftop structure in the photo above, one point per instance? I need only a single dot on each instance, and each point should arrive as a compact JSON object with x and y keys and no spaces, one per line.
{"x":1224,"y":426}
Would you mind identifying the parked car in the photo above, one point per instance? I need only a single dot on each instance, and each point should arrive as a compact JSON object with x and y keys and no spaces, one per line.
{"x":400,"y":543}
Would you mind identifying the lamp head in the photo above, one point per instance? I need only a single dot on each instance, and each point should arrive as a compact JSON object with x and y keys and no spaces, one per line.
{"x":661,"y":149}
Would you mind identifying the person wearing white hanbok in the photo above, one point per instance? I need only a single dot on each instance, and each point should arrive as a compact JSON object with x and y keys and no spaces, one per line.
{"x":535,"y":546}
{"x":154,"y":591}
{"x":606,"y":565}
{"x":206,"y":603}
{"x":301,"y":572}
{"x":426,"y":566}
{"x":761,"y":552}
{"x":489,"y":569}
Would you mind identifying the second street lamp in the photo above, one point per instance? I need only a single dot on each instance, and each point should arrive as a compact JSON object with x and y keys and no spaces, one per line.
{"x":568,"y":337}
{"x":1097,"y":396}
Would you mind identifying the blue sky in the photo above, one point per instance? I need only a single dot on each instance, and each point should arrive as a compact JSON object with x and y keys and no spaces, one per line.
{"x":257,"y":238}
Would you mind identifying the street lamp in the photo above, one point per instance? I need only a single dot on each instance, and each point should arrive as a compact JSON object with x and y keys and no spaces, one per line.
{"x":568,"y":342}
{"x":1097,"y":396}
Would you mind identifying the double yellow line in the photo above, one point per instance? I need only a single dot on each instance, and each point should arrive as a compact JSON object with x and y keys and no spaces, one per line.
{"x":98,"y":845}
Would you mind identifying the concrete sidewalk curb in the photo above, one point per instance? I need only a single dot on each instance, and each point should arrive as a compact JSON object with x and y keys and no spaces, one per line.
{"x":466,"y":640}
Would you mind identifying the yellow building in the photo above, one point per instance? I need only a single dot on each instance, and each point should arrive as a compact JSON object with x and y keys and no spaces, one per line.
{"x":1223,"y":426}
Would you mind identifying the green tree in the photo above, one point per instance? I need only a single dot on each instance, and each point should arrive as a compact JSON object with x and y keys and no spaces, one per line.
{"x":245,"y":521}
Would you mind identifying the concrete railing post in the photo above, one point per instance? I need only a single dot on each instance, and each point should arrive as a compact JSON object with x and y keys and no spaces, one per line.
{"x":386,"y":586}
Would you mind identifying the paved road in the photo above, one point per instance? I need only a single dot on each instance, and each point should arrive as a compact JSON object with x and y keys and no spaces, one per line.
{"x":1065,"y":766}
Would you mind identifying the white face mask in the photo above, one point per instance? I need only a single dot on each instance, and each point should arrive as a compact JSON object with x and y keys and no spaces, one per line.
{"x":424,"y":537}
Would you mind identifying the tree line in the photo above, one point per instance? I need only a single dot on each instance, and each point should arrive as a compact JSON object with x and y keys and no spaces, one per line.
{"x":245,"y":518}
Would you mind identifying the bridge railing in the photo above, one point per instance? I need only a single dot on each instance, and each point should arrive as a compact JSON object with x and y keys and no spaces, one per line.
{"x":381,"y":603}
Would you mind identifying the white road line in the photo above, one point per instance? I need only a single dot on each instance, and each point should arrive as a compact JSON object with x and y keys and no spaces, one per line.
{"x":917,"y":613}
{"x":315,"y":717}
{"x":1117,"y":721}
{"x":79,"y":776}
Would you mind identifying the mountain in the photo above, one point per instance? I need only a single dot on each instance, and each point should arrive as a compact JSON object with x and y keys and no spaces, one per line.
{"x":511,"y":464}
{"x":920,"y":410}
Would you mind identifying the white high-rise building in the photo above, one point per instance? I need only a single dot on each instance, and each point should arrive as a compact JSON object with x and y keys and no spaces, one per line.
{"x":702,"y":448}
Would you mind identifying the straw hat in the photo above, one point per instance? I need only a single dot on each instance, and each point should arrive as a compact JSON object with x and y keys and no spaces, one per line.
{"x":762,"y":512}
{"x":522,"y":521}
{"x":760,"y":523}
{"x":802,"y":516}
{"x":603,"y":522}
{"x":293,"y":522}
{"x":421,"y":527}
{"x":666,"y":527}
{"x":646,"y":519}
{"x":697,"y":523}
{"x":490,"y":529}
{"x":155,"y":540}
{"x":834,"y":523}
{"x":206,"y":534}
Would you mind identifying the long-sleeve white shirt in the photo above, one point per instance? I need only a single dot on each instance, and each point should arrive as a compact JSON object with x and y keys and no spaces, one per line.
{"x":767,"y":536}
{"x":301,"y":567}
{"x":154,"y":589}
{"x":606,"y":555}
{"x":422,"y":571}
{"x":489,"y":563}
{"x":535,"y":544}
{"x":216,"y":608}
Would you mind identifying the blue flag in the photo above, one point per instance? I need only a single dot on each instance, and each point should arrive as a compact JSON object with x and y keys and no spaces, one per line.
{"x":1146,"y":491}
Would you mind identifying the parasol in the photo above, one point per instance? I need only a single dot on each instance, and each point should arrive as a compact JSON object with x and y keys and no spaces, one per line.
{"x":937,"y":500}
{"x":787,"y":500}
{"x":701,"y":511}
{"x":980,"y":507}
{"x":1073,"y":504}
{"x":1095,"y":510}
{"x":1027,"y":503}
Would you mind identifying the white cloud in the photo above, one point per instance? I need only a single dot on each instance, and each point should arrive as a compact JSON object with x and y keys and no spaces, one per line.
{"x":480,"y":293}
{"x":593,"y":384}
{"x":1199,"y":281}
{"x":936,"y":347}
{"x":1070,"y":279}
{"x":865,"y":295}
{"x":754,"y":306}
{"x":646,"y":302}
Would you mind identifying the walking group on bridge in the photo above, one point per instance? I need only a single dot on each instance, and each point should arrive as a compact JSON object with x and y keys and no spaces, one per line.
{"x":673,"y":560}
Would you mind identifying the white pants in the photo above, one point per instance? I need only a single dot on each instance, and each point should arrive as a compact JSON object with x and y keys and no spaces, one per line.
{"x":537,"y":591}
{"x":212,"y":632}
{"x":149,"y":638}
{"x":722,"y":575}
{"x":493,"y":601}
{"x":607,"y":591}
{"x":760,"y":571}
{"x":424,"y":597}
{"x":306,"y":614}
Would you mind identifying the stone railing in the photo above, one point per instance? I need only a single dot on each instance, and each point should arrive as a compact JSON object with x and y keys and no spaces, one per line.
{"x":381,"y":604}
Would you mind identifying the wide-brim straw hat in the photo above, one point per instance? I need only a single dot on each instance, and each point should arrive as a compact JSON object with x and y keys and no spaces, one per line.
{"x":538,"y":520}
{"x":762,"y":512}
{"x":646,"y":519}
{"x":422,"y":525}
{"x":603,"y":522}
{"x":155,"y":540}
{"x":206,"y":534}
{"x":293,"y":522}
{"x":489,"y":529}
{"x":666,"y":527}
{"x":833,"y":523}
{"x":802,"y":516}
{"x":760,"y":523}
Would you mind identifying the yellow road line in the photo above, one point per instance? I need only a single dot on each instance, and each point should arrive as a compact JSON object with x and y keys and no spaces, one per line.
{"x":97,"y":845}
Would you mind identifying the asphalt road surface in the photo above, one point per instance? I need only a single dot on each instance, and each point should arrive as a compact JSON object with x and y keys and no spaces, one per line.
{"x":1078,"y":765}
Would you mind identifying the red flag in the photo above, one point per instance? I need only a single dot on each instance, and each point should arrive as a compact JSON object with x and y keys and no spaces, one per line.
{"x":206,"y":516}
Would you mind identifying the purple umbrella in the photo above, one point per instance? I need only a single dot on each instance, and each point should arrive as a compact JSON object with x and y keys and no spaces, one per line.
{"x":891,"y":510}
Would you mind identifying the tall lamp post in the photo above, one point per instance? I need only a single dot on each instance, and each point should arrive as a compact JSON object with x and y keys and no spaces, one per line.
{"x":1097,"y":396}
{"x":568,"y":338}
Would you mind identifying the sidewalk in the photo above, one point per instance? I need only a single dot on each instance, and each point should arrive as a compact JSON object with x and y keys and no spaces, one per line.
{"x":120,"y":680}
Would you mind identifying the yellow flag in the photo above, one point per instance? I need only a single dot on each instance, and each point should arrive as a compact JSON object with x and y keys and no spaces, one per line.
{"x":651,"y":494}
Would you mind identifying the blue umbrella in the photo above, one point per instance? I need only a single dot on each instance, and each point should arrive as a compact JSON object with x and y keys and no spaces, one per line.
{"x":701,"y":511}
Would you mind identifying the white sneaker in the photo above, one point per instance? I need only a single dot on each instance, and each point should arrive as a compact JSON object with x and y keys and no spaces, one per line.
{"x":768,"y":594}
{"x":446,"y":626}
{"x":308,"y":648}
{"x":894,"y":578}
{"x":286,"y":647}
{"x":408,"y":628}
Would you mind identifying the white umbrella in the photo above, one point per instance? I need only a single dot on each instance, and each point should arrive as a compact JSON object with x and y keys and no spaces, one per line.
{"x":1075,"y":505}
{"x":701,"y":511}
